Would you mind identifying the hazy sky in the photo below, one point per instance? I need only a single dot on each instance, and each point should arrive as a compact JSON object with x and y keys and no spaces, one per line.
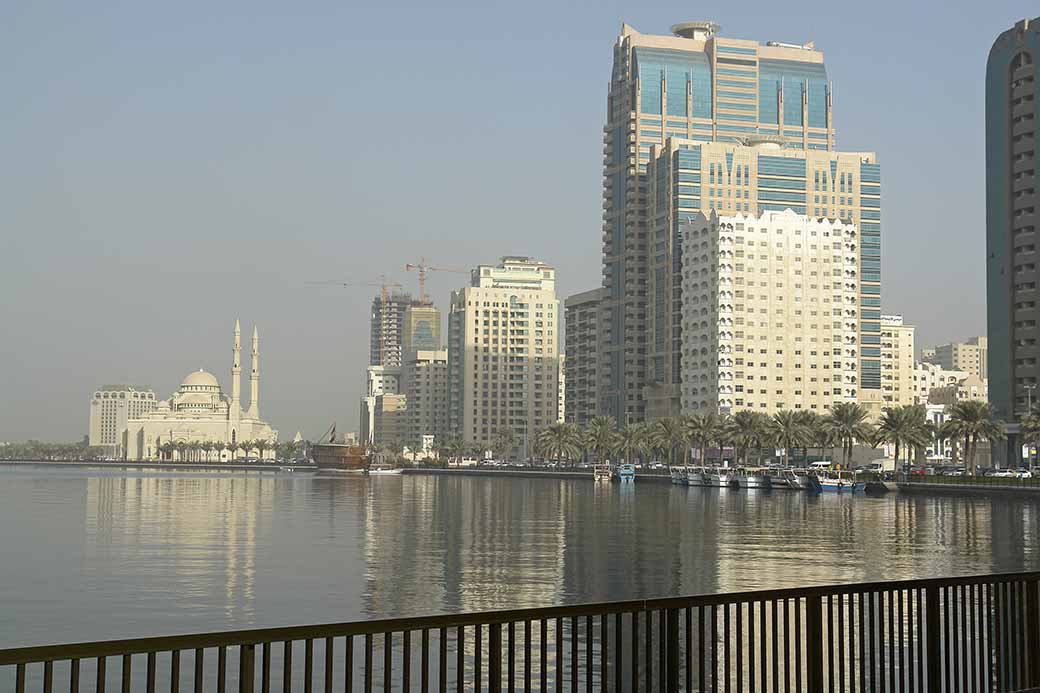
{"x":168,"y":167}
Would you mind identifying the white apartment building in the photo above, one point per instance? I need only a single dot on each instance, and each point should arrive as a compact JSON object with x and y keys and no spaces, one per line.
{"x":769,"y":312}
{"x":929,"y":376}
{"x":380,"y":380}
{"x":897,"y":361}
{"x":970,"y":356}
{"x":503,"y":356}
{"x":110,"y":409}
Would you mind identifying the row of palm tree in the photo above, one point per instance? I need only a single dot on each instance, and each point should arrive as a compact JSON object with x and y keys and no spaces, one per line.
{"x":39,"y":450}
{"x":204,"y":451}
{"x":753,"y":433}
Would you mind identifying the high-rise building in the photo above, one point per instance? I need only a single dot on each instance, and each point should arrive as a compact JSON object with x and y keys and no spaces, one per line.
{"x":502,"y":352}
{"x":676,"y":105}
{"x":561,"y":389}
{"x":387,"y":331}
{"x":769,"y":313}
{"x":1012,"y":202}
{"x":971,"y":355}
{"x":897,"y":362}
{"x":582,"y":340}
{"x":421,"y":329}
{"x":761,"y":174}
{"x":424,"y":382}
{"x":110,"y":408}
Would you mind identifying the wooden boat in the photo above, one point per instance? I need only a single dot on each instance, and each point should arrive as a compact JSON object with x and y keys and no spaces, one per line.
{"x":337,"y":457}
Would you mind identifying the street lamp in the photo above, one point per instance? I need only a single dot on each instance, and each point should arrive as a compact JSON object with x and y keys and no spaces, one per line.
{"x":1029,"y":397}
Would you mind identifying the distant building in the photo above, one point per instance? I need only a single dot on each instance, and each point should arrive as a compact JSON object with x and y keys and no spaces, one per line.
{"x":424,"y":383}
{"x":421,"y":330}
{"x":199,"y":412}
{"x":970,"y":356}
{"x":387,"y":329}
{"x":503,"y":361}
{"x":561,"y":390}
{"x":380,"y":380}
{"x":929,"y":377}
{"x":110,"y":409}
{"x":582,"y":342}
{"x":770,"y":313}
{"x":970,"y":388}
{"x":897,"y":361}
{"x":389,"y":420}
{"x":1012,"y":201}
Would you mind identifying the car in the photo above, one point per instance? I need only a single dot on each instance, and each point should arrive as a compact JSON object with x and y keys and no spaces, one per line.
{"x":1004,"y":473}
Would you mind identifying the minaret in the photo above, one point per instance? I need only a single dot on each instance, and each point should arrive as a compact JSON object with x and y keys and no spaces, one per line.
{"x":254,"y":379}
{"x":235,"y":408}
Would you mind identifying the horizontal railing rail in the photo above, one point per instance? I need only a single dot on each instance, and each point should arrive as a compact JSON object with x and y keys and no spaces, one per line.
{"x":977,"y":633}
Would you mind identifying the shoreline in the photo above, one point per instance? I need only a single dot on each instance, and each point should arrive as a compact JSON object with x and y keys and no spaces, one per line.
{"x":166,"y":466}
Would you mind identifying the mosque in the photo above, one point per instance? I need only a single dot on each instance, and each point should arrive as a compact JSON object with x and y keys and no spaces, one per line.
{"x":199,"y":412}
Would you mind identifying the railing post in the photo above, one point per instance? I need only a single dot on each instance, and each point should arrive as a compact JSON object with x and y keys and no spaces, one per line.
{"x":813,"y":644}
{"x":672,"y":649}
{"x":1033,"y":631}
{"x":933,"y":637}
{"x":246,"y":656}
{"x":495,"y":658}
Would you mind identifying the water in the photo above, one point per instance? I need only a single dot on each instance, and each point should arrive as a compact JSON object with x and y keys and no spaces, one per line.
{"x":89,"y":554}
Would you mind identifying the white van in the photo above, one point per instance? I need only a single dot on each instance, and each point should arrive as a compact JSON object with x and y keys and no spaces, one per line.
{"x":822,"y":464}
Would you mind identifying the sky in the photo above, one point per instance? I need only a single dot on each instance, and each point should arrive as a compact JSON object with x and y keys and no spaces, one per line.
{"x":166,"y":168}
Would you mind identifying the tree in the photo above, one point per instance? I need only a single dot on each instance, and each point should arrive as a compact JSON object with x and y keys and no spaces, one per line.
{"x":669,"y":434}
{"x":848,"y":423}
{"x":455,"y":448}
{"x":601,"y":437}
{"x":559,"y":441}
{"x":745,"y":429}
{"x":503,"y":443}
{"x":631,"y":442}
{"x":167,"y":449}
{"x":904,"y":427}
{"x":788,"y":429}
{"x":972,"y":421}
{"x":182,"y":448}
{"x":1030,"y":427}
{"x":703,"y":430}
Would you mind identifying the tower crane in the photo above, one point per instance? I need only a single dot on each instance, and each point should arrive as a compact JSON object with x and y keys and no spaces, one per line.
{"x":422,"y":268}
{"x":384,"y":299}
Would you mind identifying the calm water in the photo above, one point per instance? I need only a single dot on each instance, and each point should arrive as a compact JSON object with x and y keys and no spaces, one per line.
{"x":92,"y":554}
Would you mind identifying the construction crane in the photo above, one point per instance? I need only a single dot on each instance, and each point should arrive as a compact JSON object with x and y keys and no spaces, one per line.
{"x":384,"y":299}
{"x":423,"y":268}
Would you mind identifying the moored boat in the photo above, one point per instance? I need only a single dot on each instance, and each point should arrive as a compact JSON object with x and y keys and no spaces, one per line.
{"x":751,"y":478}
{"x":678,"y":475}
{"x":602,"y":472}
{"x":719,"y":477}
{"x":841,"y":482}
{"x":806,"y":480}
{"x":383,"y":470}
{"x":781,"y":478}
{"x":695,"y":476}
{"x":626,"y":473}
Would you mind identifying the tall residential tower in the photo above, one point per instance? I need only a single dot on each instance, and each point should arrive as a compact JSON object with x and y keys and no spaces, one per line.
{"x":1012,"y":267}
{"x":687,"y":118}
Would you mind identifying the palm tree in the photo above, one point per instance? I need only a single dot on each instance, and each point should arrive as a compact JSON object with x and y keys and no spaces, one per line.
{"x":167,"y":449}
{"x":181,"y":447}
{"x":788,"y":429}
{"x":703,"y":430}
{"x":1030,"y":427}
{"x":503,"y":443}
{"x":745,"y":430}
{"x":630,"y":442}
{"x":455,"y":449}
{"x":559,"y":441}
{"x":601,"y":437}
{"x":906,"y":428}
{"x":669,"y":434}
{"x":972,"y":420}
{"x":848,"y":423}
{"x":261,"y":445}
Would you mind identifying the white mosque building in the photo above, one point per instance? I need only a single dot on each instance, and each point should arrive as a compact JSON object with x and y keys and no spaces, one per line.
{"x":199,"y":412}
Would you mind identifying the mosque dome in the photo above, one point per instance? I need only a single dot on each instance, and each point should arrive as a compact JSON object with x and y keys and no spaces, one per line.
{"x":200,"y":380}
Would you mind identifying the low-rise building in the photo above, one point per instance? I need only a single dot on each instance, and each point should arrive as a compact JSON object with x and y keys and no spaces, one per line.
{"x":970,"y":356}
{"x":929,"y":376}
{"x":111,"y":407}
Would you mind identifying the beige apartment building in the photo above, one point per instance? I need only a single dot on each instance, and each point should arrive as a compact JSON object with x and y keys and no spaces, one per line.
{"x":503,"y":360}
{"x":897,"y":362}
{"x":970,"y":356}
{"x":424,"y":381}
{"x":110,"y":409}
{"x":770,"y":308}
{"x":582,"y":339}
{"x":929,"y":377}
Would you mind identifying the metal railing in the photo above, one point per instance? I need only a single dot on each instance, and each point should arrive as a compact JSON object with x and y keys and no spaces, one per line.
{"x":957,"y":634}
